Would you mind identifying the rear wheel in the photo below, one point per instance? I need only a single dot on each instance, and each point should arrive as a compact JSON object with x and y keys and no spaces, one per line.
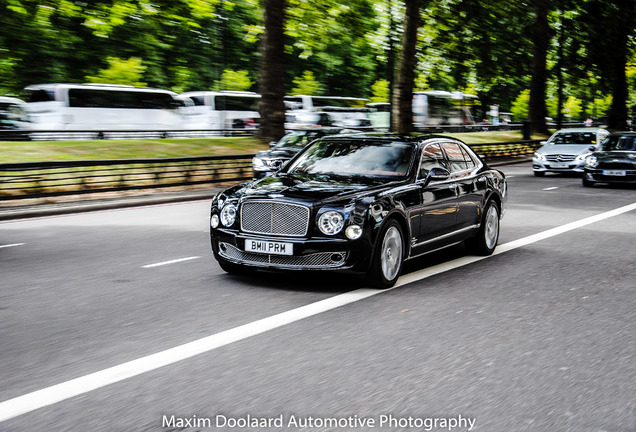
{"x":388,"y":257}
{"x":486,"y":240}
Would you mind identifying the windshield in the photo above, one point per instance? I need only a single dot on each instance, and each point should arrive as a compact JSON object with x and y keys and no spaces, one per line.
{"x":355,"y":158}
{"x":296,"y":139}
{"x":574,"y":138}
{"x":627,"y":143}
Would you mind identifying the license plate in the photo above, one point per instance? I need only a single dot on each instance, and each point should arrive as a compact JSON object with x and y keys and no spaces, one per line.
{"x":615,"y":173}
{"x":269,"y":247}
{"x":559,"y":165}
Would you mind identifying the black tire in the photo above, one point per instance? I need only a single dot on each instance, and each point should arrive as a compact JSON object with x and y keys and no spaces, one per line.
{"x":485,"y":242}
{"x":388,"y":257}
{"x":587,"y":183}
{"x":539,"y":173}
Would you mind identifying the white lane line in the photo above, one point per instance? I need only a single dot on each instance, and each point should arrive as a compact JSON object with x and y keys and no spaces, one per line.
{"x":170,"y":262}
{"x":12,"y":245}
{"x":66,"y":390}
{"x":551,"y":188}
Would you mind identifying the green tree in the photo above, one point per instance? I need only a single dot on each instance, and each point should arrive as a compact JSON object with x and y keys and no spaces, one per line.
{"x":234,"y":80}
{"x":380,"y":90}
{"x":306,"y":84}
{"x":120,"y":71}
{"x":520,"y":106}
{"x":573,"y":108}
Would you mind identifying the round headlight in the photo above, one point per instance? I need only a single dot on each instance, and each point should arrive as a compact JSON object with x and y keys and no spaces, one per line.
{"x":214,"y":221}
{"x":331,"y":222}
{"x":228,"y":215}
{"x":353,"y":232}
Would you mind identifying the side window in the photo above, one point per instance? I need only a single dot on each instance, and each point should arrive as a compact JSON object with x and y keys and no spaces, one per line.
{"x":455,"y":157}
{"x":432,"y":157}
{"x":470,"y":162}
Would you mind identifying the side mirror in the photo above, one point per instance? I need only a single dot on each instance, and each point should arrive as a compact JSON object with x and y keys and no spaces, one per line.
{"x":276,"y":165}
{"x":437,"y":174}
{"x":543,"y":143}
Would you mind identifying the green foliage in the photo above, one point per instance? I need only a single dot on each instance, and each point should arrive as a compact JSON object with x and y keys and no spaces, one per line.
{"x":234,"y":80}
{"x":128,"y":72}
{"x":306,"y":84}
{"x":520,"y":106}
{"x":380,"y":90}
{"x":573,"y":108}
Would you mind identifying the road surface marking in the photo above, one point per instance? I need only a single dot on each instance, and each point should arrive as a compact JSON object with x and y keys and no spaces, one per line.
{"x":11,"y":245}
{"x":170,"y":262}
{"x":75,"y":387}
{"x":551,"y":188}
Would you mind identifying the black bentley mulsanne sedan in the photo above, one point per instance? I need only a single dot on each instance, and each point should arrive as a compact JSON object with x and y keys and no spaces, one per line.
{"x":362,"y":204}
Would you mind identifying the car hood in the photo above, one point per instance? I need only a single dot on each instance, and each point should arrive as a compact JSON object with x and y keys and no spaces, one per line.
{"x":574,"y":149}
{"x":623,"y":156}
{"x":284,"y":153}
{"x":309,"y":189}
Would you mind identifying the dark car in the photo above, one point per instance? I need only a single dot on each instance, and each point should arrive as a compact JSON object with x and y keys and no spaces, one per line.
{"x":361,"y":204}
{"x":281,"y":151}
{"x":613,"y":162}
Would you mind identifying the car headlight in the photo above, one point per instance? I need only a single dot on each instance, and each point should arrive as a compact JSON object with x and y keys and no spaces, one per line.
{"x":228,"y":215}
{"x":539,"y":156}
{"x":582,"y":157}
{"x":214,"y":221}
{"x":331,"y":222}
{"x":258,"y":164}
{"x":353,"y":232}
{"x":591,"y":161}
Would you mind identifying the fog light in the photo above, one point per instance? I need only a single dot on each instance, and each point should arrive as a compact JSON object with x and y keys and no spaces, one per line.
{"x":353,"y":232}
{"x":336,"y":257}
{"x":214,"y":221}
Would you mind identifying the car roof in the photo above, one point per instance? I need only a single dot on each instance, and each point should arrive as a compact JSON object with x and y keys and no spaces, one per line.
{"x":384,"y":136}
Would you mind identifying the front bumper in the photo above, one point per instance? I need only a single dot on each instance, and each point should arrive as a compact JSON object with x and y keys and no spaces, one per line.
{"x":308,"y":254}
{"x":599,"y":176}
{"x":556,"y":167}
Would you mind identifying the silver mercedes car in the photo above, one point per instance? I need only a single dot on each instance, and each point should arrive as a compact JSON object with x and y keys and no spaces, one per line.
{"x":566,"y":150}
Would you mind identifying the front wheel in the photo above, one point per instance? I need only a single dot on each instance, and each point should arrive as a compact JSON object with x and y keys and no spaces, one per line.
{"x":486,"y":240}
{"x":388,"y":257}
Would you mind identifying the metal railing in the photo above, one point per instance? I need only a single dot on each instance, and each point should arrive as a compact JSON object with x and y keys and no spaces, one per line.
{"x":42,"y":179}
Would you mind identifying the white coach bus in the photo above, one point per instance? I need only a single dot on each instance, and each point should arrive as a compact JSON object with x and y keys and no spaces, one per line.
{"x":222,"y":110}
{"x":345,"y":111}
{"x":54,"y":107}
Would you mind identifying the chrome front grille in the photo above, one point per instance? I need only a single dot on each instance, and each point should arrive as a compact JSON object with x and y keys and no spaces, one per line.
{"x":560,"y":158}
{"x":319,"y":260}
{"x":274,"y":218}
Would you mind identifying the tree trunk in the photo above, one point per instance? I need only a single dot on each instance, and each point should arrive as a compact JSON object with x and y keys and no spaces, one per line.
{"x":617,"y":115}
{"x":541,"y":41}
{"x":272,"y":72}
{"x":402,"y":103}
